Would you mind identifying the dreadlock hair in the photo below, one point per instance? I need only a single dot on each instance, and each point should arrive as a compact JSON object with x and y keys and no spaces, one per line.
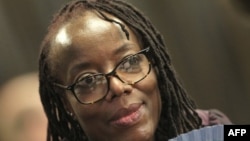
{"x":177,"y":116}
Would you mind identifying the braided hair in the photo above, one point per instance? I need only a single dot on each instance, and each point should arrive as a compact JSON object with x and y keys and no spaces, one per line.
{"x":177,"y":116}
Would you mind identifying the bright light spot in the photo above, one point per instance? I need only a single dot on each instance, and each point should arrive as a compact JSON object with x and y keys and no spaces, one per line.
{"x":62,"y":37}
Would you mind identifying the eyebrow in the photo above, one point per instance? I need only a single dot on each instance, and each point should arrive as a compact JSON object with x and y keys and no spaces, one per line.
{"x":78,"y":67}
{"x":123,"y":48}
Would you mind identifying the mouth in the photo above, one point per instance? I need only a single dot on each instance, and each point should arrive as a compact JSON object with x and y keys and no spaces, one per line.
{"x":126,"y":117}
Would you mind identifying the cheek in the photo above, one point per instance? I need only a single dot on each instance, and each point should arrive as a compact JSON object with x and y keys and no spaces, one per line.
{"x":150,"y":86}
{"x":82,"y":112}
{"x":152,"y":93}
{"x":74,"y":106}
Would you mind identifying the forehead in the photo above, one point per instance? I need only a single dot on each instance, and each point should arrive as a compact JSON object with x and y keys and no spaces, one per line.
{"x":88,"y":23}
{"x":89,"y":30}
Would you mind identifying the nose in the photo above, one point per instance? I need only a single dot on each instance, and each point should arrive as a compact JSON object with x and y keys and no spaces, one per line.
{"x":117,"y":88}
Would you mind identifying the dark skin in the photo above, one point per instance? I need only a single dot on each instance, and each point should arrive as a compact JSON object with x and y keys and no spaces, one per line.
{"x":89,"y":44}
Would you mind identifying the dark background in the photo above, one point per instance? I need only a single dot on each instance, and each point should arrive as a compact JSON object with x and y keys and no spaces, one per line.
{"x":209,"y":41}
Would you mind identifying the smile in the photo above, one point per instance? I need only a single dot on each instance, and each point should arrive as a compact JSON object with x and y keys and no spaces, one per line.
{"x":126,"y":117}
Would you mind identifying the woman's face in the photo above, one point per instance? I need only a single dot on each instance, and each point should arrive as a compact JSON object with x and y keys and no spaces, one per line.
{"x":88,"y":45}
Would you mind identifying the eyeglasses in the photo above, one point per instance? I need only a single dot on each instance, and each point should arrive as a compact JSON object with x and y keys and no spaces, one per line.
{"x":91,"y":88}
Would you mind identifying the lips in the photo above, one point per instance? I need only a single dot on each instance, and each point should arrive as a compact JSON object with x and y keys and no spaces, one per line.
{"x":127,"y":116}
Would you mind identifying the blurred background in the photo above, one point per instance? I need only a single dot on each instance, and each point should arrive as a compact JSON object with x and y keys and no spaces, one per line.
{"x":209,"y":42}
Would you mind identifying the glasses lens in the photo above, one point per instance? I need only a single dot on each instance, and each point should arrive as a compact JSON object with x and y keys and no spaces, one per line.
{"x":91,"y":88}
{"x":133,"y":69}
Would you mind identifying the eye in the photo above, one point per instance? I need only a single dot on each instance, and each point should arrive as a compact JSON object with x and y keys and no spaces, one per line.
{"x":86,"y":81}
{"x":133,"y":61}
{"x":89,"y":83}
{"x":85,"y":85}
{"x":130,"y":64}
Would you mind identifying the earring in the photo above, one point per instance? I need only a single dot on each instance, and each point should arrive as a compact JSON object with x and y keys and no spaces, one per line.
{"x":70,"y":113}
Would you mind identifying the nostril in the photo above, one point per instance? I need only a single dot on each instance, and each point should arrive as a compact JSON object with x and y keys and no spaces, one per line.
{"x":111,"y":96}
{"x":117,"y":88}
{"x":128,"y":88}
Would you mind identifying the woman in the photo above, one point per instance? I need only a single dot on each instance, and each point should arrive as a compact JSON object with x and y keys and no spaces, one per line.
{"x":105,"y":75}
